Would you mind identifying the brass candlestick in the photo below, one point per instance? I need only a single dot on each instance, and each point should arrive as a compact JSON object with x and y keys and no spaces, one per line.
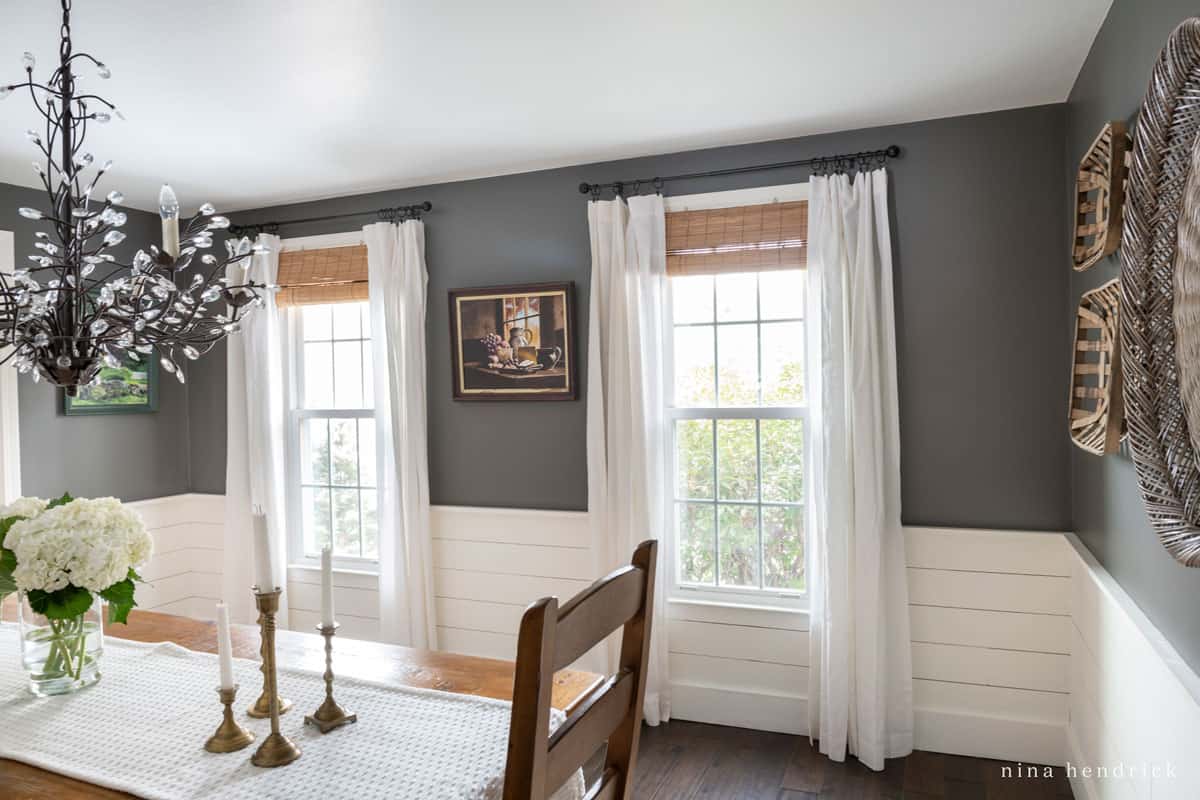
{"x":330,"y":715}
{"x":262,"y":706}
{"x":276,"y":750}
{"x":229,"y":736}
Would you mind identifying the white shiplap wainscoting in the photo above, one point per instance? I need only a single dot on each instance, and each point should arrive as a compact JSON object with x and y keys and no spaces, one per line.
{"x":990,"y":617}
{"x":184,"y":576}
{"x":489,"y":564}
{"x":1023,"y":647}
{"x":989,"y":613}
{"x":1135,"y":704}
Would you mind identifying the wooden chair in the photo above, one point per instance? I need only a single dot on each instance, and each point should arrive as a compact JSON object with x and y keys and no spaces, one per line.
{"x":552,"y":638}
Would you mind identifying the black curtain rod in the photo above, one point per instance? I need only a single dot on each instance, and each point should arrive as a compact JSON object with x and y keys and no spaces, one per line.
{"x":838,"y":163}
{"x":396,"y":214}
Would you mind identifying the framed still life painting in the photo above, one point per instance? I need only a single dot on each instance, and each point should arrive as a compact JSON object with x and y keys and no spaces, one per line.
{"x":514,"y":342}
{"x":128,"y":389}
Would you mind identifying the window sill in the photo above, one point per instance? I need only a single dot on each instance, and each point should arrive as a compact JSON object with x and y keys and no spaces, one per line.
{"x":781,"y":609}
{"x":723,"y":612}
{"x":344,"y":578}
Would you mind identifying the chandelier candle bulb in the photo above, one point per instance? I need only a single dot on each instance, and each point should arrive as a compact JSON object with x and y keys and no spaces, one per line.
{"x":326,"y":587}
{"x":224,"y":646}
{"x":168,"y":210}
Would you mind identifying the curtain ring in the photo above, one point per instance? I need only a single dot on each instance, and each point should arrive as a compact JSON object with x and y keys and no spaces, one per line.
{"x":618,"y":189}
{"x":637,"y":187}
{"x":658,"y":185}
{"x":596,"y":192}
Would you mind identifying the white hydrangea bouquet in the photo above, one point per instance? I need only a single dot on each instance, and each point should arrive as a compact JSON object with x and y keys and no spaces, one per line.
{"x":61,"y":556}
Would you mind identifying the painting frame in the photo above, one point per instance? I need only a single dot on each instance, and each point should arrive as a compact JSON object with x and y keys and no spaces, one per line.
{"x":75,"y":407}
{"x":551,"y":380}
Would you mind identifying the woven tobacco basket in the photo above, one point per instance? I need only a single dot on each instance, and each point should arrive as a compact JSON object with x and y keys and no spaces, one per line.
{"x":1159,"y":437}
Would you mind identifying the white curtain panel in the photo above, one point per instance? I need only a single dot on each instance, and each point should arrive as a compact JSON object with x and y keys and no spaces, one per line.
{"x":10,"y":420}
{"x":254,"y":469}
{"x":398,"y":281}
{"x":860,"y":664}
{"x":626,"y":426}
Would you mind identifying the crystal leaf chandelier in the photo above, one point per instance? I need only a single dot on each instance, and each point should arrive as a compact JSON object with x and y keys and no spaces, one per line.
{"x":75,"y":306}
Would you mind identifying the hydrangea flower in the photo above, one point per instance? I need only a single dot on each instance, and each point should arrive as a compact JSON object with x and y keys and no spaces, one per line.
{"x":88,"y":543}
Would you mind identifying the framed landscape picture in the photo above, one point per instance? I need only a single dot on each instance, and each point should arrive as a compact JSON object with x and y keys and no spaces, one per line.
{"x":129,"y":389}
{"x":514,"y":342}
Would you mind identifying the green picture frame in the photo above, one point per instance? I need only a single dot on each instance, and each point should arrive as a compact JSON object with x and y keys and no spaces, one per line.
{"x":130,"y":389}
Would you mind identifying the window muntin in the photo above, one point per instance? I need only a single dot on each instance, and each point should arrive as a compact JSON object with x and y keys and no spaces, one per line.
{"x":333,"y":488}
{"x":738,"y":414}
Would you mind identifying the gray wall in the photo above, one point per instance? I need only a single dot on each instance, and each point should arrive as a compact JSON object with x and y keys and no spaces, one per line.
{"x":131,"y":456}
{"x":1106,"y":505}
{"x":978,"y":227}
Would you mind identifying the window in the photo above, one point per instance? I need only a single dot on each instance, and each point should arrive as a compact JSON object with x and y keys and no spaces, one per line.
{"x":737,"y":416}
{"x":332,"y":487}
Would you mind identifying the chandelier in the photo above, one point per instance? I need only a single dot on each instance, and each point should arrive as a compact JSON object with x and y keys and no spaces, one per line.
{"x":75,"y":306}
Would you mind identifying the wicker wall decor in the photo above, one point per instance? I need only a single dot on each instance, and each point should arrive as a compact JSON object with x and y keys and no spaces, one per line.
{"x":1100,"y":196}
{"x":1159,"y":440}
{"x":1095,"y":410}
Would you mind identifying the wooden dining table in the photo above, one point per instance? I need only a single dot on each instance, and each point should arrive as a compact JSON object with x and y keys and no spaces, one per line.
{"x":402,"y":666}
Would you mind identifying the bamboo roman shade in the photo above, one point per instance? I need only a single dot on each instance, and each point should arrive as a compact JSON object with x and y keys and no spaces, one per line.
{"x":742,"y":239}
{"x":330,"y":275}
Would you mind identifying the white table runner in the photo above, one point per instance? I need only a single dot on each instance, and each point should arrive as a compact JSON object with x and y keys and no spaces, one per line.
{"x":142,"y":730}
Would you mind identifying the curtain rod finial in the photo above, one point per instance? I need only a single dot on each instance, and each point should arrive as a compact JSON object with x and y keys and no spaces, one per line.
{"x":893,"y":151}
{"x":584,"y":188}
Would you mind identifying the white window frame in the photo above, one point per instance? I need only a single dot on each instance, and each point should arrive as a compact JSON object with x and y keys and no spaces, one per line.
{"x":728,"y":595}
{"x":295,"y":416}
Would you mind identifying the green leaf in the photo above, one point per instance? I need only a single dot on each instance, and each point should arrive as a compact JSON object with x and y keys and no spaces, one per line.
{"x":8,"y":563}
{"x":120,"y":599}
{"x":66,"y":603}
{"x":61,"y":501}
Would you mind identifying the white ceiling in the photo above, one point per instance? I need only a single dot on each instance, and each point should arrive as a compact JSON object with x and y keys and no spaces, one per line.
{"x":260,"y":102}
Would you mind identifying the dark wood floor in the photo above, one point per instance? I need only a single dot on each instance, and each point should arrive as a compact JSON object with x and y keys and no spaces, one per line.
{"x":681,"y":760}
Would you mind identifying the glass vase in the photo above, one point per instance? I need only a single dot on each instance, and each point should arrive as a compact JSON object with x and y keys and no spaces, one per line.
{"x":61,"y":655}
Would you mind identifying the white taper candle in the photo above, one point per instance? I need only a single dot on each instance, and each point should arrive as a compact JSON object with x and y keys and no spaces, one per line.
{"x":326,"y":587}
{"x":224,"y":646}
{"x":264,"y":566}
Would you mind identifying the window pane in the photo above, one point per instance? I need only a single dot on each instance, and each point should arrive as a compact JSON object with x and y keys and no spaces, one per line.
{"x":368,"y":376}
{"x":314,"y":514}
{"x":346,"y":539}
{"x":781,"y":294}
{"x":783,"y":548}
{"x":695,"y":541}
{"x":737,"y":459}
{"x":318,"y":375}
{"x":782,"y":443}
{"x":692,"y":299}
{"x":370,"y":524}
{"x":314,"y":451}
{"x":315,"y":321}
{"x":346,"y":320}
{"x":739,"y":545}
{"x":694,"y":458}
{"x":347,"y":389}
{"x":737,"y":351}
{"x":344,"y":436}
{"x":737,"y":297}
{"x":365,"y":309}
{"x":694,"y":367}
{"x":366,"y":452}
{"x":783,"y":363}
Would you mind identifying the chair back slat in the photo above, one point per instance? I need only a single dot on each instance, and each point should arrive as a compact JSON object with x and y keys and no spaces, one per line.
{"x":588,"y":728}
{"x":596,"y":612}
{"x":550,"y":638}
